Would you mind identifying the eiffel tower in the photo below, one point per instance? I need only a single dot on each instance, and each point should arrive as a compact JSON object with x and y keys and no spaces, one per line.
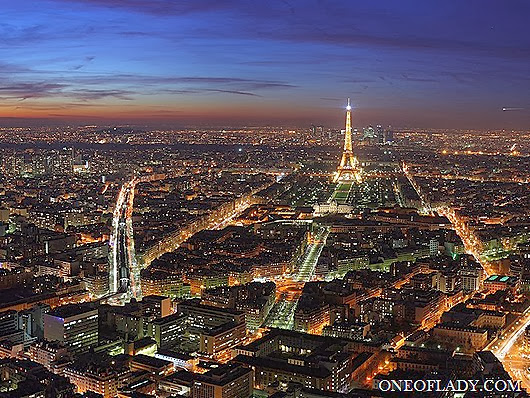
{"x":349,"y":169}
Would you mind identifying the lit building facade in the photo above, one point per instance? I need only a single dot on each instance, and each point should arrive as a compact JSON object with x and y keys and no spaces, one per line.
{"x":74,"y":325}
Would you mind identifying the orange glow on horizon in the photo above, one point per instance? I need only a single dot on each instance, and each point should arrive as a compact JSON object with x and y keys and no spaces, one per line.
{"x":188,"y":112}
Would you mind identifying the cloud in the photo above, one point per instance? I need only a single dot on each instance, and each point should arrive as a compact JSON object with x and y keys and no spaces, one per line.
{"x":231,"y":92}
{"x":388,"y":25}
{"x":93,"y":94}
{"x":461,"y":77}
{"x":86,"y":61}
{"x":418,"y":79}
{"x":331,"y":99}
{"x":355,"y":81}
{"x":125,"y":87}
{"x":9,"y":68}
{"x":352,"y":38}
{"x":158,"y":7}
{"x":19,"y":36}
{"x":140,"y":79}
{"x":22,"y":91}
{"x":136,"y":34}
{"x":266,"y":85}
{"x":206,"y":90}
{"x":185,"y":84}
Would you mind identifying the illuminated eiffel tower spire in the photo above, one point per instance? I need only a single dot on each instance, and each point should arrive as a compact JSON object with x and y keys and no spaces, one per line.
{"x":349,"y":169}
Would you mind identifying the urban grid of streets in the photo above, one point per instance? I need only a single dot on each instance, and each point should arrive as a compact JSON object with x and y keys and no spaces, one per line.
{"x":124,"y":275}
{"x":125,"y":270}
{"x":506,"y":346}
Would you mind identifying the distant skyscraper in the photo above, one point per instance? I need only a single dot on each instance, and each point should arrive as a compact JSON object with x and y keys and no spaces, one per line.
{"x":369,"y":133}
{"x":317,"y":129}
{"x":389,"y":135}
{"x":380,"y":134}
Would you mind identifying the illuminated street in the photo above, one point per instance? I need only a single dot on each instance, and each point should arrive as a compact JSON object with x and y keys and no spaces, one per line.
{"x":124,"y":271}
{"x":116,"y":228}
{"x":507,"y":348}
{"x":282,"y":314}
{"x":217,"y":219}
{"x":416,"y":187}
{"x":472,"y":243}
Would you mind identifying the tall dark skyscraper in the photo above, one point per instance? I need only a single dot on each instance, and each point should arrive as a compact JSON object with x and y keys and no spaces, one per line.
{"x":380,"y":134}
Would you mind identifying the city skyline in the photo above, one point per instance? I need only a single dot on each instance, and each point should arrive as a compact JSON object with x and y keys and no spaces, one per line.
{"x":259,"y":262}
{"x":264,"y":199}
{"x":205,"y":63}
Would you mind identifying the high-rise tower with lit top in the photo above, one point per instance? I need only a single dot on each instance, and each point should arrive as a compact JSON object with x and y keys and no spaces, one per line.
{"x":349,"y":169}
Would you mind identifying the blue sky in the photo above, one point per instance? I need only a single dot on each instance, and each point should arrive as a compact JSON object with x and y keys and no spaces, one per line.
{"x":406,"y":63}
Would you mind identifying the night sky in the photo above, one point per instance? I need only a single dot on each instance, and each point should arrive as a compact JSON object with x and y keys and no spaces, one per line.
{"x":426,"y":64}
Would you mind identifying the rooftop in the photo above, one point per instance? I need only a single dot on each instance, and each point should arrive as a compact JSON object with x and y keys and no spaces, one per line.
{"x":69,"y":310}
